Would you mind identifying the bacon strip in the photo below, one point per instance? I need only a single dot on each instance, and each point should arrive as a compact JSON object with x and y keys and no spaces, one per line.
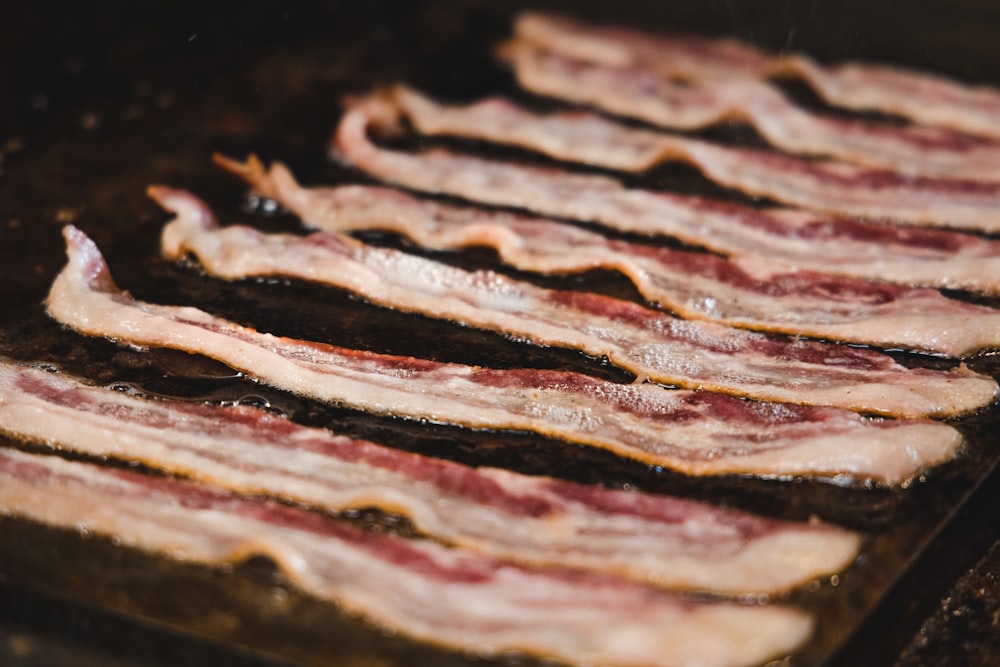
{"x":670,"y":542}
{"x":921,"y":97}
{"x":651,"y":345}
{"x":820,"y":186}
{"x":694,"y":285}
{"x":449,"y":597}
{"x":698,"y":433}
{"x":791,"y":238}
{"x":683,"y":57}
{"x":636,"y":92}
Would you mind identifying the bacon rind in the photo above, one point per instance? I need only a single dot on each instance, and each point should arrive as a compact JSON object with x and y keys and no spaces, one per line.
{"x":668,"y":542}
{"x":827,"y":187}
{"x":638,"y":93}
{"x":796,"y":239}
{"x":453,"y":598}
{"x":654,"y":346}
{"x":697,"y":433}
{"x":921,"y":97}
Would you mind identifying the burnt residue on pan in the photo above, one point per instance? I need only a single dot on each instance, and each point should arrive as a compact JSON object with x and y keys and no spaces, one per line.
{"x":108,"y":99}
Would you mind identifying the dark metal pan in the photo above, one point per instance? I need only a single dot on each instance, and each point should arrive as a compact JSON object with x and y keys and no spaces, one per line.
{"x":99,"y":102}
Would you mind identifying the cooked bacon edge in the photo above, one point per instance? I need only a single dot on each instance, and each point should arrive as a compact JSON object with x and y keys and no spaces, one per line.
{"x":669,"y":542}
{"x":924,"y":98}
{"x":828,"y":187}
{"x":654,"y":346}
{"x":698,"y":433}
{"x":637,"y":92}
{"x":796,"y":239}
{"x":449,"y":597}
{"x":692,"y":284}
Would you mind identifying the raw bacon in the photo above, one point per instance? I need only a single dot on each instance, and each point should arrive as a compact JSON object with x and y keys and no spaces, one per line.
{"x":666,"y":541}
{"x":653,"y":346}
{"x":694,"y":285}
{"x":820,"y":186}
{"x":638,"y":93}
{"x":795,"y":239}
{"x":921,"y":97}
{"x":449,"y":597}
{"x":698,"y":433}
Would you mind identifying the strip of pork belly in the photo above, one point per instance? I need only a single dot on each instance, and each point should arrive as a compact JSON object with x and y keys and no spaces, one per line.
{"x":698,"y":433}
{"x":652,"y":345}
{"x":829,"y":187}
{"x":695,"y":285}
{"x":921,"y":97}
{"x":795,"y":239}
{"x":666,"y":541}
{"x":640,"y":94}
{"x":449,"y":597}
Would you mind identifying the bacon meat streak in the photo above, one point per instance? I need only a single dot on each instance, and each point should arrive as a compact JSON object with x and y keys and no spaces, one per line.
{"x":827,"y":187}
{"x":921,"y":97}
{"x":665,"y":541}
{"x":692,"y":284}
{"x":636,"y":92}
{"x":698,"y":433}
{"x":795,"y":239}
{"x":448,"y":597}
{"x":652,"y":345}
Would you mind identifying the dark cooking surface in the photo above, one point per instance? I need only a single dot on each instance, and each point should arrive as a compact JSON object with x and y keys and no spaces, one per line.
{"x":103,"y":102}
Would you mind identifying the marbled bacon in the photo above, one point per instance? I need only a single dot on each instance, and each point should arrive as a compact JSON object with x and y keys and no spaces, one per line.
{"x":695,"y":285}
{"x":700,"y":433}
{"x":670,"y":542}
{"x":450,"y":597}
